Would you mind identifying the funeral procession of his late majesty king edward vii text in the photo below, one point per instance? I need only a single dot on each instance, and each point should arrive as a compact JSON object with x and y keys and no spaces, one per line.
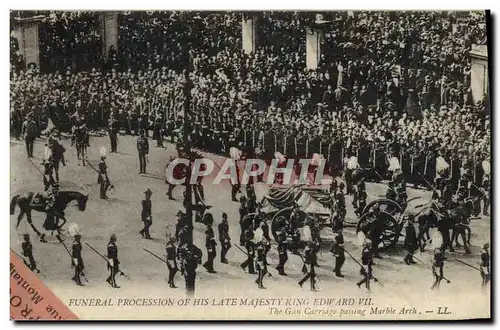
{"x":253,"y":165}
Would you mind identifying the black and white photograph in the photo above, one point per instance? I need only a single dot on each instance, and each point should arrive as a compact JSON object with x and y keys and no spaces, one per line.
{"x":250,"y":165}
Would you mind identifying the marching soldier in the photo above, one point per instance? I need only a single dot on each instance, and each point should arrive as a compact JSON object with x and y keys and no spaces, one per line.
{"x":282,"y":253}
{"x":340,"y":207}
{"x":225,"y":240}
{"x":190,"y":257}
{"x":410,"y":242}
{"x":250,"y":247}
{"x":366,"y":260}
{"x":310,"y":261}
{"x":209,"y":243}
{"x":181,"y":229}
{"x":486,"y":186}
{"x":359,"y":200}
{"x":52,"y":214}
{"x":48,"y":171}
{"x":113,"y":262}
{"x":485,"y":265}
{"x":261,"y":265}
{"x":28,"y":131}
{"x":113,"y":129}
{"x":143,"y":150}
{"x":338,"y":252}
{"x":437,"y":267}
{"x":146,"y":214}
{"x":171,"y":261}
{"x":243,"y":210}
{"x":103,"y":179}
{"x":27,"y":248}
{"x":57,"y":154}
{"x":77,"y":260}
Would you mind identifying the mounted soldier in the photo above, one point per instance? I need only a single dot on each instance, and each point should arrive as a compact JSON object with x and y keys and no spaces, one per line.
{"x":52,"y":212}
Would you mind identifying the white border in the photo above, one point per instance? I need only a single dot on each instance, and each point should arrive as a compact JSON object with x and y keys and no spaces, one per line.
{"x":191,"y":5}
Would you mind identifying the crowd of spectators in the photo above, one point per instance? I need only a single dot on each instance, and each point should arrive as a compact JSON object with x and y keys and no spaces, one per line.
{"x":393,"y":80}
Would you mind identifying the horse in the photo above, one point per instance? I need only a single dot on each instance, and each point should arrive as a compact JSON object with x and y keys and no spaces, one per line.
{"x":81,"y":142}
{"x":24,"y":201}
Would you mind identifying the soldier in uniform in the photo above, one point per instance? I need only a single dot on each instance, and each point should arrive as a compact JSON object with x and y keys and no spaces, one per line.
{"x":250,"y":247}
{"x":310,"y":262}
{"x":235,"y":187}
{"x":113,"y":128}
{"x":359,"y":200}
{"x":48,"y":171}
{"x":52,"y":214}
{"x":28,"y":131}
{"x":57,"y":154}
{"x":209,"y":243}
{"x":103,"y":179}
{"x":485,"y":265}
{"x":261,"y":265}
{"x":282,"y":252}
{"x":113,"y":262}
{"x":77,"y":260}
{"x":181,"y":228}
{"x":340,"y":206}
{"x":338,"y":252}
{"x":366,"y":260}
{"x":27,"y":248}
{"x":146,"y":214}
{"x":485,"y":196}
{"x":158,"y":130}
{"x":190,"y":257}
{"x":171,"y":261}
{"x":243,"y":210}
{"x":143,"y":151}
{"x":143,"y":123}
{"x":437,"y":267}
{"x":225,"y":240}
{"x":410,"y":242}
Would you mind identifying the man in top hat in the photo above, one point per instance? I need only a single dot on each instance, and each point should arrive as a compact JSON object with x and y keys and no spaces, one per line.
{"x":77,"y":260}
{"x":225,"y":240}
{"x":143,"y":151}
{"x":113,"y":262}
{"x":27,"y":248}
{"x":146,"y":214}
{"x":103,"y":179}
{"x":28,"y":131}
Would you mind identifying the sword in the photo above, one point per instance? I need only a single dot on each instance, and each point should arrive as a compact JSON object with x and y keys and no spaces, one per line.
{"x":155,"y":255}
{"x":119,"y":271}
{"x":239,"y":248}
{"x":374,"y":278}
{"x":72,"y":262}
{"x":423,"y":263}
{"x":27,"y":263}
{"x":469,"y":265}
{"x":39,"y":170}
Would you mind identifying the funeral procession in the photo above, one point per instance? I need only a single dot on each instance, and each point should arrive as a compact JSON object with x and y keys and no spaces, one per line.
{"x":232,"y":154}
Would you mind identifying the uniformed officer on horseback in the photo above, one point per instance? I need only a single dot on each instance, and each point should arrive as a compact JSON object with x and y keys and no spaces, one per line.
{"x":52,"y":214}
{"x":485,"y":265}
{"x":103,"y":179}
{"x":225,"y":240}
{"x":77,"y":260}
{"x":27,"y":248}
{"x":113,"y":262}
{"x":146,"y":214}
{"x":210,"y":243}
{"x":171,"y":253}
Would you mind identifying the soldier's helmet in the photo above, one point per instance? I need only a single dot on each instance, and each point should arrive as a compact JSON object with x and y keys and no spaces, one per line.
{"x":112,"y":237}
{"x":486,"y":246}
{"x":243,"y":199}
{"x":148,"y":192}
{"x":249,"y":235}
{"x":341,"y":185}
{"x":224,"y":215}
{"x":26,"y":237}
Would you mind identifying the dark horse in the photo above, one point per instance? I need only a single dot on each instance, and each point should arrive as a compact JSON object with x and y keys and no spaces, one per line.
{"x":24,"y":201}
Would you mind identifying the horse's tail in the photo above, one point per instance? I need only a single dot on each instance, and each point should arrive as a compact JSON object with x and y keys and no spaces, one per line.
{"x":13,"y":203}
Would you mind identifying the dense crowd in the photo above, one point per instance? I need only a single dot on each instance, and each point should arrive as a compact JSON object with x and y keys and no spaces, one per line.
{"x":392,"y":80}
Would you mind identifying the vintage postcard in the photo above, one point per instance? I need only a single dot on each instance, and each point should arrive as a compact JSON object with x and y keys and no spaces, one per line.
{"x":265,"y":165}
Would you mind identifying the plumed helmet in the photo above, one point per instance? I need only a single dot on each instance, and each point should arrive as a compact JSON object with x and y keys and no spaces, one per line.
{"x":102,"y":151}
{"x":208,"y":219}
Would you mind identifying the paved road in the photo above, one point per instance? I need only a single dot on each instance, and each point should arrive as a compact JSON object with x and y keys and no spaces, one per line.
{"x":403,"y":285}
